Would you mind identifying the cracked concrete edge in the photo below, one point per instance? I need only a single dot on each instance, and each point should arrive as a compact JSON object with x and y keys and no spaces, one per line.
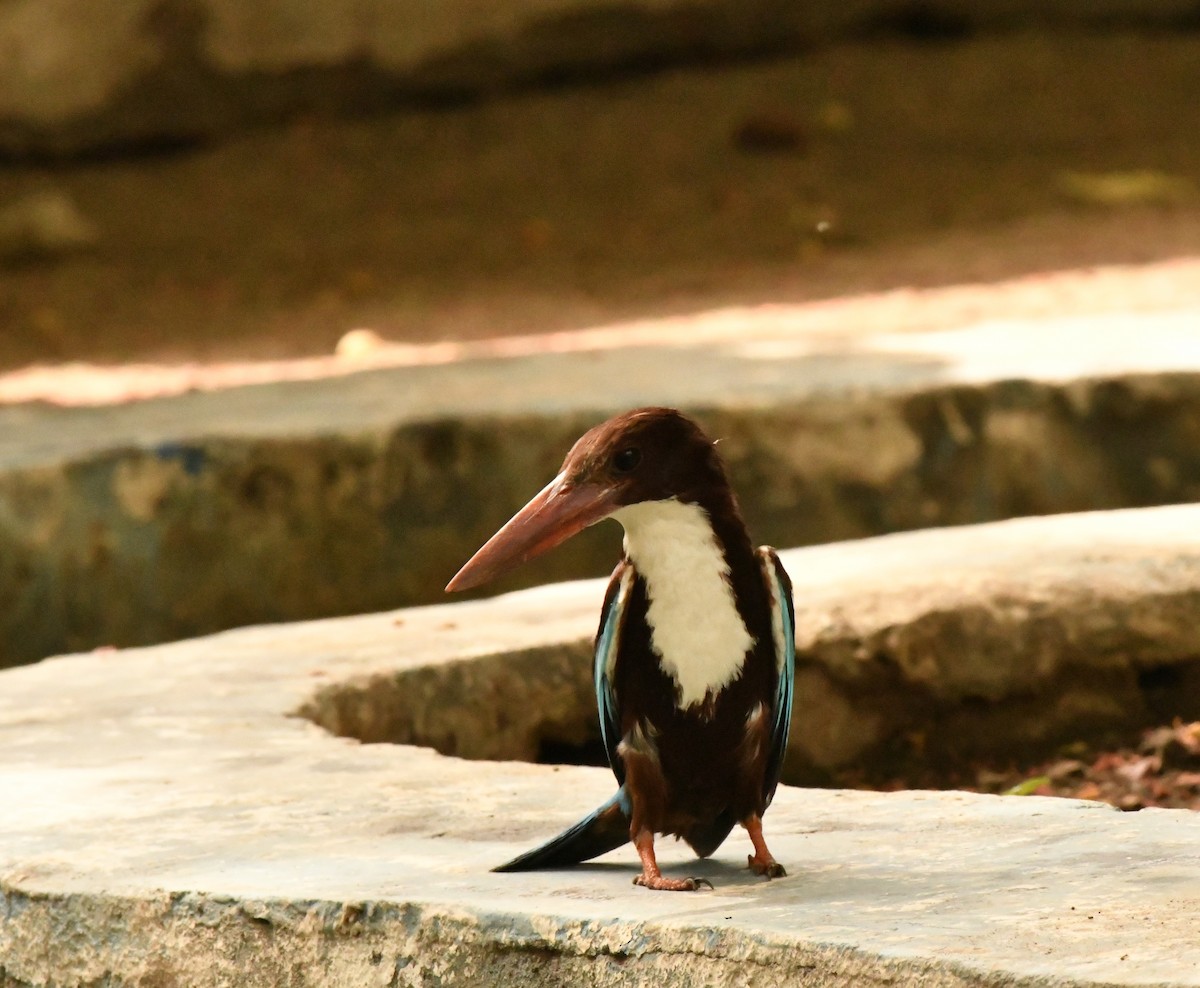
{"x":204,"y":940}
{"x":166,"y":815}
{"x":984,"y":641}
{"x":201,"y":510}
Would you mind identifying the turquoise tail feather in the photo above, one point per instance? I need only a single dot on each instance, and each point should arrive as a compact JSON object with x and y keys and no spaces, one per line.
{"x":601,"y":831}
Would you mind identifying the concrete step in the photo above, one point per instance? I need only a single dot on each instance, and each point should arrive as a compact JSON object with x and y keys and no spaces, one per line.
{"x":170,"y":817}
{"x":130,"y":524}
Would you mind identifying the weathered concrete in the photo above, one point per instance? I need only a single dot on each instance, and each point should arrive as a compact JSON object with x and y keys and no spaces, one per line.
{"x":986,"y":640}
{"x":167,"y":518}
{"x":80,"y":74}
{"x":165,"y":821}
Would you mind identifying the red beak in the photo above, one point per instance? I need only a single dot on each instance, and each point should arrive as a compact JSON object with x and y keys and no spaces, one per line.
{"x":557,"y":512}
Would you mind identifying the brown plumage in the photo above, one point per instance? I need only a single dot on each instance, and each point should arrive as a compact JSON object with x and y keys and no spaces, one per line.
{"x":693,"y":655}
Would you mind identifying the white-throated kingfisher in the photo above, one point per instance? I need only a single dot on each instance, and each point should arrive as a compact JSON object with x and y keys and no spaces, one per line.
{"x":695,"y":655}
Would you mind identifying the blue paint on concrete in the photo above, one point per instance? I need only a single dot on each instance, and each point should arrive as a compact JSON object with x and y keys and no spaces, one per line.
{"x":192,"y":458}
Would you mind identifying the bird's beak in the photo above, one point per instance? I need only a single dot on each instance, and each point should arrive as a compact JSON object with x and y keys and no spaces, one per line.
{"x":561,"y":509}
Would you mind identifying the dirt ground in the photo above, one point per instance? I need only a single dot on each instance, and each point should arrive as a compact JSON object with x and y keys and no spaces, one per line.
{"x":1160,"y":768}
{"x":856,"y":168}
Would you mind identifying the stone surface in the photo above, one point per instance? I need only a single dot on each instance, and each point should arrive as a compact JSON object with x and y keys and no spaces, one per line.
{"x":81,"y":74}
{"x":162,"y":519}
{"x":987,"y":640}
{"x":168,"y":819}
{"x":993,"y":638}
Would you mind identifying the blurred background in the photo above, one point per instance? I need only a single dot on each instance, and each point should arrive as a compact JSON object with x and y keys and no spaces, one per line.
{"x":232,"y":188}
{"x":206,"y":180}
{"x":201,"y":193}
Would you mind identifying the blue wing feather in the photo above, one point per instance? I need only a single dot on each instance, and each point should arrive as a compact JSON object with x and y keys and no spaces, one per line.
{"x":783,"y":616}
{"x":608,"y":640}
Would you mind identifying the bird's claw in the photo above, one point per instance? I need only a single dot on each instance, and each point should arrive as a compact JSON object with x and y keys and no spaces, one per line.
{"x":767,"y":869}
{"x":663,"y":884}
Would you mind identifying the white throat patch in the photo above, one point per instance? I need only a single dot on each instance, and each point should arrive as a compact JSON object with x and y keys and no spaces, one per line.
{"x":694,"y":623}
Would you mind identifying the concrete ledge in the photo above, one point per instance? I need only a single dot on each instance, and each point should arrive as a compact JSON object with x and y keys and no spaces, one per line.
{"x":929,"y":889}
{"x":162,"y":519}
{"x":167,"y":818}
{"x":993,"y":641}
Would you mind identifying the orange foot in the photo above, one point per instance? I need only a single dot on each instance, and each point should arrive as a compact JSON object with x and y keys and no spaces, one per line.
{"x":662,"y":884}
{"x":767,"y":867}
{"x":762,"y":861}
{"x":652,"y":878}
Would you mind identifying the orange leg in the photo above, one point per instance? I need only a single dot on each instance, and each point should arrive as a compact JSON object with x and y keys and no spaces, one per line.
{"x":762,"y":861}
{"x":652,"y":878}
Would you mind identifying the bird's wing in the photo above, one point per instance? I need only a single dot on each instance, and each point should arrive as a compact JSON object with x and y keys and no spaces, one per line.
{"x":608,"y":642}
{"x":783,"y":626}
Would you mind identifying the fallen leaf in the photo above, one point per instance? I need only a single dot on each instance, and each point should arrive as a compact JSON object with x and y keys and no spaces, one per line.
{"x":1066,"y":767}
{"x":1138,"y":769}
{"x":1029,"y":787}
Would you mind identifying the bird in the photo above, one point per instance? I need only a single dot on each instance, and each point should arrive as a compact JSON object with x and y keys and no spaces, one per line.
{"x":694,"y":658}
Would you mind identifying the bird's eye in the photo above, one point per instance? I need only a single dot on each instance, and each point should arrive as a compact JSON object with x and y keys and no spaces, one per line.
{"x":625,"y":460}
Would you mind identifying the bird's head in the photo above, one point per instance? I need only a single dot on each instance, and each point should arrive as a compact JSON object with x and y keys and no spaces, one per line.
{"x":650,"y":454}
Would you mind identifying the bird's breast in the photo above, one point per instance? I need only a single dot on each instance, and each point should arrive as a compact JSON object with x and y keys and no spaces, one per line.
{"x":696,"y":630}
